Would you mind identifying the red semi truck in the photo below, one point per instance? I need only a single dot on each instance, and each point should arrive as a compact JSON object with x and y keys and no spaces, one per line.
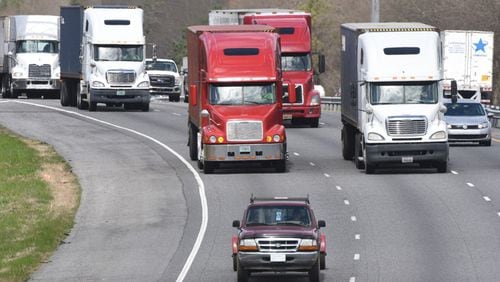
{"x":235,"y":112}
{"x":294,"y":28}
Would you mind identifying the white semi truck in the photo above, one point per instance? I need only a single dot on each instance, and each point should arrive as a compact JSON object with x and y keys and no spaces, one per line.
{"x":468,"y":58}
{"x":29,"y":50}
{"x":392,"y":110}
{"x":103,"y":57}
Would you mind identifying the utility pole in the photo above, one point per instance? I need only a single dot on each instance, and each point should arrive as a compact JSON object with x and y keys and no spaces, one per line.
{"x":375,"y":11}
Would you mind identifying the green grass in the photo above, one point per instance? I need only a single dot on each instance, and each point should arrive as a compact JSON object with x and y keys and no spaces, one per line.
{"x":30,"y":227}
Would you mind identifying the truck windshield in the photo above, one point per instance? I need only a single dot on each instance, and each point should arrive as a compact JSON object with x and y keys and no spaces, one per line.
{"x":161,"y":66}
{"x":278,"y":215}
{"x":404,"y":93}
{"x":37,"y":46}
{"x":132,"y":53}
{"x":243,"y":94}
{"x":296,"y":62}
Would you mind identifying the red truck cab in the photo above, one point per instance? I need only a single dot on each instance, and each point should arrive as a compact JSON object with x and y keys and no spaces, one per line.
{"x":235,"y":110}
{"x":296,"y":62}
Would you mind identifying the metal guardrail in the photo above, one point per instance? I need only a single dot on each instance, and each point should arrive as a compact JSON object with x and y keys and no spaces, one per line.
{"x":495,"y":110}
{"x":330,"y":104}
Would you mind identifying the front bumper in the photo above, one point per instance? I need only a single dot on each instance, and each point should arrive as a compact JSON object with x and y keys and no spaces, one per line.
{"x":36,"y":84}
{"x":469,"y":135}
{"x":401,"y":152}
{"x":154,"y":90}
{"x":301,"y":111}
{"x":244,"y":152}
{"x":295,"y":261}
{"x":128,"y":95}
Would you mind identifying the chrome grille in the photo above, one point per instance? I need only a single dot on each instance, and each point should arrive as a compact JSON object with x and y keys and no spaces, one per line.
{"x":162,"y":81}
{"x":406,"y":126}
{"x":39,"y":70}
{"x":120,"y":77}
{"x":244,"y":130}
{"x":278,"y":244}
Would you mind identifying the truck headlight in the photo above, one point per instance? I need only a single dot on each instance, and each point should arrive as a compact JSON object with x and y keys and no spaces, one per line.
{"x":276,"y":138}
{"x":438,"y":135}
{"x":248,"y":245}
{"x":308,"y":245}
{"x":143,"y":84}
{"x":372,"y":136}
{"x":97,"y":84}
{"x":213,"y":139}
{"x":17,"y":74}
{"x":315,"y":100}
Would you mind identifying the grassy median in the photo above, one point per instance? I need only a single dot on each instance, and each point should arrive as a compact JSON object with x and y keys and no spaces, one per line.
{"x":38,"y":199}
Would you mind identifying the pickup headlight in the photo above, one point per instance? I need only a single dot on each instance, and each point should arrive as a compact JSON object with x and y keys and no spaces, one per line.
{"x":143,"y":84}
{"x":248,"y":245}
{"x":438,"y":135}
{"x":17,"y":74}
{"x":97,"y":84}
{"x":177,"y":81}
{"x":308,"y":245}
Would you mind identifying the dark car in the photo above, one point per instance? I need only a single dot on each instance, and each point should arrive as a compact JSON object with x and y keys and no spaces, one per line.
{"x":278,"y":234}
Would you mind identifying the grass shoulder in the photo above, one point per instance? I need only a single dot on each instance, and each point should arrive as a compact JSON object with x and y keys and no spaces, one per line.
{"x":39,"y":196}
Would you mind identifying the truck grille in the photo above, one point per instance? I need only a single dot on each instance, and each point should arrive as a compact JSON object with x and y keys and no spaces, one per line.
{"x":244,"y":130}
{"x":406,"y":126}
{"x":298,"y":92}
{"x":120,"y":77}
{"x":278,"y":244}
{"x":162,"y":81}
{"x":39,"y":71}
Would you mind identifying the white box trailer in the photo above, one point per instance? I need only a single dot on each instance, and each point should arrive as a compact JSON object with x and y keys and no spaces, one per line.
{"x":468,"y":59}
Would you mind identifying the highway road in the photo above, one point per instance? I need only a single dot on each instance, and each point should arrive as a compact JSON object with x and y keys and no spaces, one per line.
{"x":142,"y":206}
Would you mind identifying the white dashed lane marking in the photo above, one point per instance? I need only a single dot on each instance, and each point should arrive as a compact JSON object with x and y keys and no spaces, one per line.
{"x":312,"y":164}
{"x":454,"y":172}
{"x":296,"y":154}
{"x":326,"y":175}
{"x":357,"y":237}
{"x":176,"y":114}
{"x":346,"y":202}
{"x":470,"y":184}
{"x":338,"y":188}
{"x":356,"y":256}
{"x":487,"y":199}
{"x":353,"y":218}
{"x":352,"y":279}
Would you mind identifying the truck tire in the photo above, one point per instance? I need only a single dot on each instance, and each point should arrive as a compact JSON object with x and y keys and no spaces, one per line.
{"x":145,"y":107}
{"x":92,"y":106}
{"x":322,"y":261}
{"x":314,"y":122}
{"x":442,"y":167}
{"x":193,"y":146}
{"x":314,"y":272}
{"x":177,"y":97}
{"x":358,"y":152}
{"x":242,"y":274}
{"x":347,"y":137}
{"x":80,"y":104}
{"x":6,"y":86}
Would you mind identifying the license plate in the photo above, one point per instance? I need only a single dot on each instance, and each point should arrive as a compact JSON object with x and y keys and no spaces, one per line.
{"x":287,"y":116}
{"x":120,"y":92}
{"x":245,"y":149}
{"x":278,"y":257}
{"x":406,"y":160}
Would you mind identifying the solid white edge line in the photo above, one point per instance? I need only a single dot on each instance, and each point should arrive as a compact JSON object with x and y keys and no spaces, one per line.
{"x":470,"y":184}
{"x":201,"y":186}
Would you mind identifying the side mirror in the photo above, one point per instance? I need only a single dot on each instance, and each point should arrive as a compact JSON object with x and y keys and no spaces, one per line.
{"x":10,"y":54}
{"x":321,"y":63}
{"x":93,"y":64}
{"x":155,"y":56}
{"x":490,"y":115}
{"x":292,"y":95}
{"x":321,"y":223}
{"x":193,"y":93}
{"x":443,"y":109}
{"x":236,"y":223}
{"x":454,"y":91}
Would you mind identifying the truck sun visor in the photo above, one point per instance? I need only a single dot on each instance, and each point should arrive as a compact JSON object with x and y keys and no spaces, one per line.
{"x":402,"y":51}
{"x":241,"y":51}
{"x":116,"y":22}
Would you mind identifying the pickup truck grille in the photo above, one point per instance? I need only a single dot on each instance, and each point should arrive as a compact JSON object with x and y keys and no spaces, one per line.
{"x":120,"y":77}
{"x":278,"y":244}
{"x":162,"y":80}
{"x":244,"y":130}
{"x":406,"y":126}
{"x":39,"y":70}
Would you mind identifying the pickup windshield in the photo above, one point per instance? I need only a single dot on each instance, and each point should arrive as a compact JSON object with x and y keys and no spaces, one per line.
{"x":296,"y":62}
{"x":161,"y":66}
{"x":404,"y":93}
{"x":133,"y":53}
{"x":37,"y":46}
{"x":278,"y":215}
{"x":254,"y":94}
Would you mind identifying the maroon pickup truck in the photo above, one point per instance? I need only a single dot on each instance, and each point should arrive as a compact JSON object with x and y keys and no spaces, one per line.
{"x":276,"y":235}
